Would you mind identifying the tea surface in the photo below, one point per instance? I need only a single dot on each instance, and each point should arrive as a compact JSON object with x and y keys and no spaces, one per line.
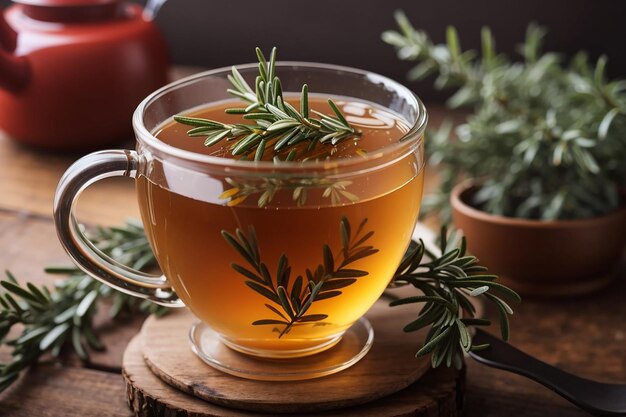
{"x":185,"y":225}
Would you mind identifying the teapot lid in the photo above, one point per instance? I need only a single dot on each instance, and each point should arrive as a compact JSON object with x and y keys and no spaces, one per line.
{"x":65,"y":3}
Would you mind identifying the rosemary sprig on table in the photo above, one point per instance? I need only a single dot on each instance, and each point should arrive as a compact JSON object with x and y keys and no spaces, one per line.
{"x":273,"y":122}
{"x":51,"y":319}
{"x":291,"y":303}
{"x":446,"y":282}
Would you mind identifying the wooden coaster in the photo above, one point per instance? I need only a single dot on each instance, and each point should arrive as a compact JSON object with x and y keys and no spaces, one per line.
{"x":438,"y":393}
{"x":390,"y":366}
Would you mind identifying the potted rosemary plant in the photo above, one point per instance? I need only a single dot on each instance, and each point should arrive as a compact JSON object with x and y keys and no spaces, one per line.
{"x":545,"y":151}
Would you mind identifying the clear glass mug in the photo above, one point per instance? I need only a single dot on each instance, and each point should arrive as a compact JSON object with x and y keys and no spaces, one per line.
{"x":277,"y":260}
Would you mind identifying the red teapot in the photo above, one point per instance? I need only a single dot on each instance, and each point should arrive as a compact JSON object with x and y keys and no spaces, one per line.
{"x":73,"y":71}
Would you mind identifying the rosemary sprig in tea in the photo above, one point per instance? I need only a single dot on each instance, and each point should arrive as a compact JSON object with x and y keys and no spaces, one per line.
{"x":267,"y":188}
{"x":273,"y":122}
{"x":291,"y":302}
{"x":63,"y":316}
{"x":445,"y":283}
{"x":276,"y":124}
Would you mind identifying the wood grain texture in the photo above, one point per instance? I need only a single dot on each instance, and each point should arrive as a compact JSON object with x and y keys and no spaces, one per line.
{"x":28,"y":243}
{"x":55,"y":391}
{"x":29,"y":177}
{"x":389,"y":367}
{"x":438,"y":393}
{"x":585,"y":336}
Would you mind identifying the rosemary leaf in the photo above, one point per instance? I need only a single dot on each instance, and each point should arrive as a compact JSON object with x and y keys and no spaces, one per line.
{"x":292,"y":304}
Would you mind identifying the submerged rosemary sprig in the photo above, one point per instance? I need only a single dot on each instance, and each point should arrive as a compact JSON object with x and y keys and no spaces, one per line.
{"x":446,"y":282}
{"x":291,"y":302}
{"x":273,"y":122}
{"x":55,"y":318}
{"x":266,"y":188}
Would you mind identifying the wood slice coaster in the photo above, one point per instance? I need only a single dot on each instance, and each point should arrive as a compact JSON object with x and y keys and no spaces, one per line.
{"x":438,"y":393}
{"x":162,"y":351}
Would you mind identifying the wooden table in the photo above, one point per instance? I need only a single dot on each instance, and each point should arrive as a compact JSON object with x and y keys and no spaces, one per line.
{"x":585,"y":336}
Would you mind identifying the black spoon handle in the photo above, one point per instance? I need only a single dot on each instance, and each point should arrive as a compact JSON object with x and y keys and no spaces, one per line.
{"x":594,"y":397}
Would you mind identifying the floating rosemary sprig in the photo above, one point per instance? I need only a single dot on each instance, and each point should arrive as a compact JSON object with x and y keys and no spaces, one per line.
{"x":446,"y":283}
{"x":63,"y":316}
{"x":273,"y":122}
{"x":291,"y":302}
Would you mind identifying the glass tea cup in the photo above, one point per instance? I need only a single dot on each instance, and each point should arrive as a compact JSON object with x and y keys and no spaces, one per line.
{"x":277,"y":260}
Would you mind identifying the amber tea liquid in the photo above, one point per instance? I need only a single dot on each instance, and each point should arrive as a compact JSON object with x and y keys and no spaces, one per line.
{"x":185,"y":221}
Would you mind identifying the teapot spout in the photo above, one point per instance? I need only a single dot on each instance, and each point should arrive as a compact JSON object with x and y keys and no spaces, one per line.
{"x":14,"y":71}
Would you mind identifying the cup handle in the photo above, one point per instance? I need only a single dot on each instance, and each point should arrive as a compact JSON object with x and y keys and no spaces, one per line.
{"x":84,"y":253}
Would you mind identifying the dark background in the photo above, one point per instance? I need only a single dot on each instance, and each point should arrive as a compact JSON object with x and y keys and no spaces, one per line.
{"x":213,"y":33}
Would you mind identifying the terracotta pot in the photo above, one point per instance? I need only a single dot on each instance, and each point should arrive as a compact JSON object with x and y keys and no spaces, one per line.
{"x":542,"y":258}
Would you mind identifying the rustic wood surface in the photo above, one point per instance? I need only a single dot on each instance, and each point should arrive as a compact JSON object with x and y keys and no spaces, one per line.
{"x":585,"y":336}
{"x":60,"y":391}
{"x":438,"y":393}
{"x":390,"y":366}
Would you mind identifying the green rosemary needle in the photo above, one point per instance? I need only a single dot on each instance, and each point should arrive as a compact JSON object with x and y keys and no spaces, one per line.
{"x":273,"y":122}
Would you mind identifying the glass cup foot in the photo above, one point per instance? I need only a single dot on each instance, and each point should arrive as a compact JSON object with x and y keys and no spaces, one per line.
{"x":353,"y":345}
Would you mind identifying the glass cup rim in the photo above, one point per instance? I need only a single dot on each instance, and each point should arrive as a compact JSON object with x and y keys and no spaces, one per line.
{"x":415,"y":132}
